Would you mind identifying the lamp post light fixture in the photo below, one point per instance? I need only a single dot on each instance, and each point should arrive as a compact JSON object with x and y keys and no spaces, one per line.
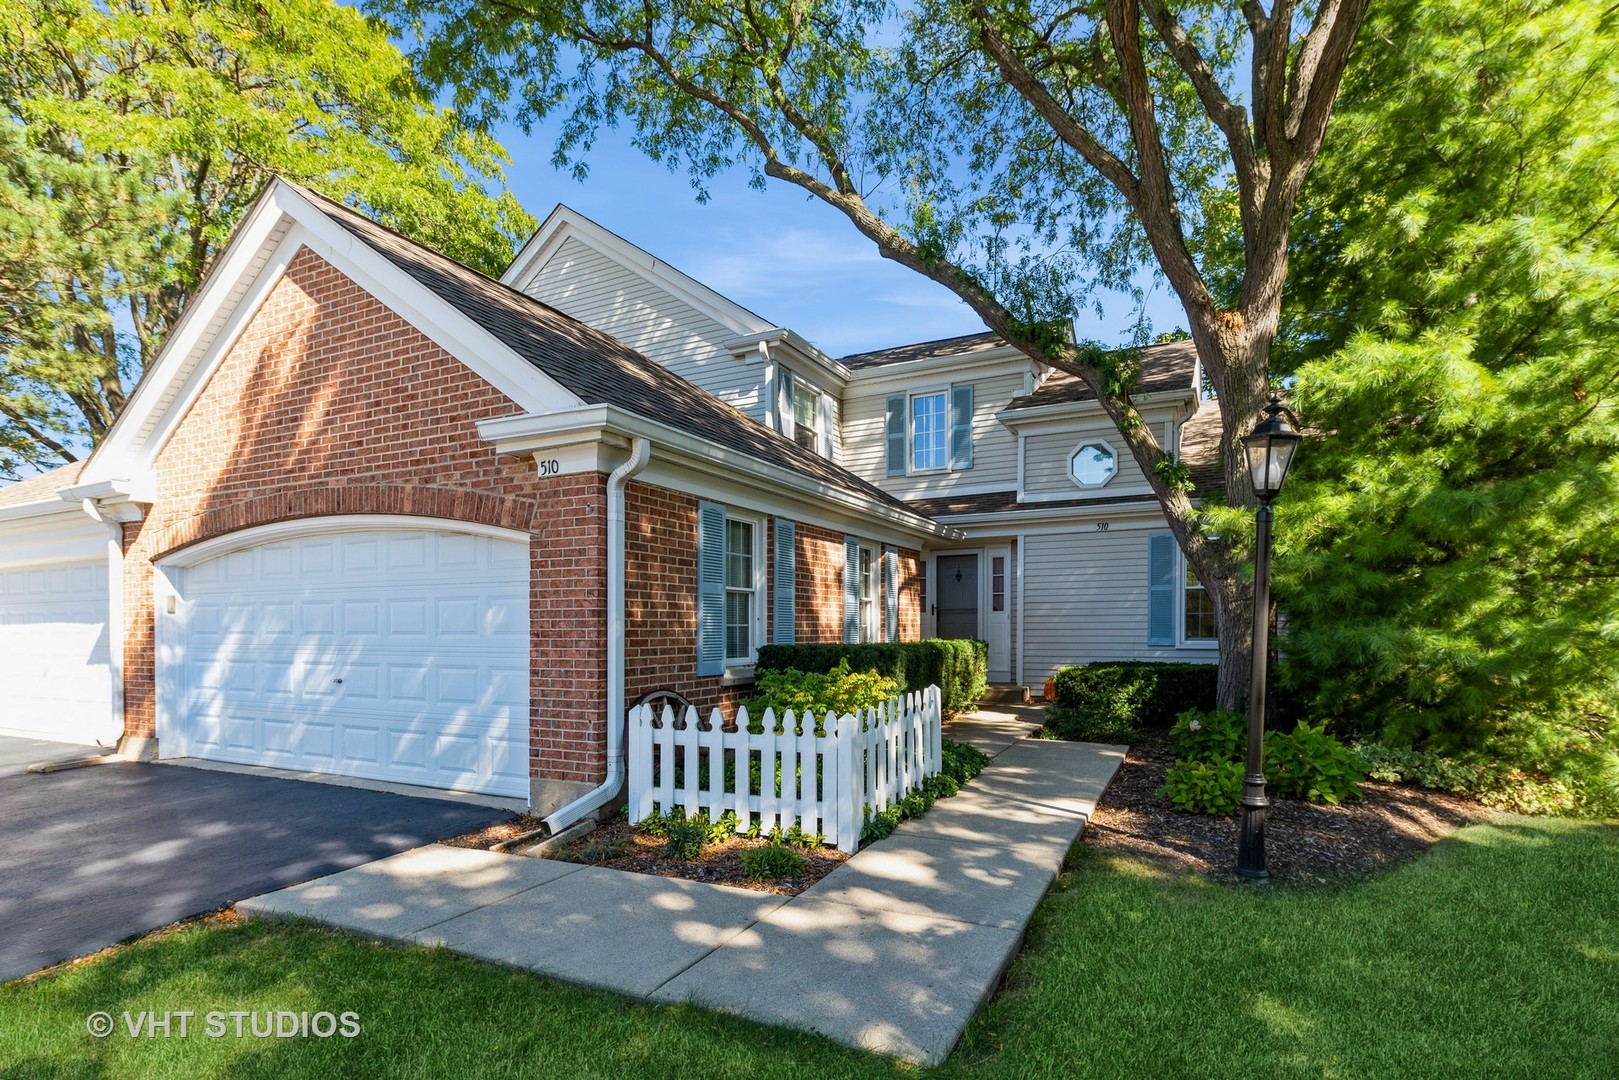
{"x":1269,"y":448}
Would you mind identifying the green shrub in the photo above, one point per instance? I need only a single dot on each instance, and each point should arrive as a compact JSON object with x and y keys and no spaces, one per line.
{"x":839,"y":691}
{"x":1113,"y":695}
{"x":686,"y":838}
{"x":962,"y":761}
{"x":1210,"y":736}
{"x":771,"y":862}
{"x":1088,"y":725}
{"x":960,"y":669}
{"x":1202,"y":787}
{"x":1425,"y":768}
{"x":1310,"y":764}
{"x":880,"y":824}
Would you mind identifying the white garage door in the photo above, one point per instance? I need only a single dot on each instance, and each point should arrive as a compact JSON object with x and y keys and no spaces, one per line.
{"x":396,"y":655}
{"x":55,"y":681}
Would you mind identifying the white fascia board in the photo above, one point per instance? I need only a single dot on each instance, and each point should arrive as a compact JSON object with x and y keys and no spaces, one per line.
{"x":283,"y":223}
{"x":565,"y":221}
{"x":867,"y":380}
{"x":1063,"y":411}
{"x":801,"y":354}
{"x":47,"y":506}
{"x":1035,"y":517}
{"x":221,"y":291}
{"x":719,"y":469}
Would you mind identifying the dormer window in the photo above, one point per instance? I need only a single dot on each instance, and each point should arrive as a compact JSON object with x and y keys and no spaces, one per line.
{"x":803,"y":414}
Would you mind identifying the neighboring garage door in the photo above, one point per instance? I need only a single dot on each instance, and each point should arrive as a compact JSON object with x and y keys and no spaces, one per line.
{"x":55,"y":680}
{"x":397,"y":655}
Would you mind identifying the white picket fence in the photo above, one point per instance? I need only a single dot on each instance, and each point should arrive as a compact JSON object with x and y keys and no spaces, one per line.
{"x":829,"y":783}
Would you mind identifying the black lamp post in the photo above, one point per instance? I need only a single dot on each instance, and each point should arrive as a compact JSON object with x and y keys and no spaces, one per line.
{"x":1270,"y":449}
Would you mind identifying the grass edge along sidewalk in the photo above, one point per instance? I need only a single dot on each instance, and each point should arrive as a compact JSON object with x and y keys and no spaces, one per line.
{"x":1495,"y":953}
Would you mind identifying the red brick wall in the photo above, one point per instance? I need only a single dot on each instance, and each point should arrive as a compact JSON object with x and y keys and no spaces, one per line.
{"x":329,"y":403}
{"x":660,"y":594}
{"x":819,"y":610}
{"x":910,"y":594}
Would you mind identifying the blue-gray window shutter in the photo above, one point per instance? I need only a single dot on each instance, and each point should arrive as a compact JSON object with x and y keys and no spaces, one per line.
{"x":785,"y":586}
{"x":1161,"y":589}
{"x":851,"y":589}
{"x":895,"y":421}
{"x":961,"y":426}
{"x":890,"y":594}
{"x":710,"y":589}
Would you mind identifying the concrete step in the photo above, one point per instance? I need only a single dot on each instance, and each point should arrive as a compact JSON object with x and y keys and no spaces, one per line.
{"x":1005,"y":694}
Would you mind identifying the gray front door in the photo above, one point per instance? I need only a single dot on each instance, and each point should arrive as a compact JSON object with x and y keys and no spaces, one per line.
{"x":958,"y":596}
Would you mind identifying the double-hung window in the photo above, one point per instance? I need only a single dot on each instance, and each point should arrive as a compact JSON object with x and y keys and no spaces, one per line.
{"x":929,"y":431}
{"x":806,"y":415}
{"x":1198,"y":605}
{"x":869,"y":630}
{"x":741,"y":591}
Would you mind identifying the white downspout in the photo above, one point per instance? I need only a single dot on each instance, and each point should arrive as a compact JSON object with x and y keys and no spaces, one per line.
{"x":115,"y":610}
{"x":640,"y":451}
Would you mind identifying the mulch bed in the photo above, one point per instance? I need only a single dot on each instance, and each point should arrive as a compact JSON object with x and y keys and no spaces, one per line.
{"x":618,"y":845}
{"x":1304,"y":844}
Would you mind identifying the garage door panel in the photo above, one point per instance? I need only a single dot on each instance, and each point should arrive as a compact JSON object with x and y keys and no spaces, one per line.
{"x":395,"y":656}
{"x":55,"y":652}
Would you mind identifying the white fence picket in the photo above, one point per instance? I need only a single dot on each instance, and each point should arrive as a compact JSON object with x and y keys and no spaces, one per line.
{"x":742,"y":757}
{"x":666,"y":761}
{"x":768,"y":801}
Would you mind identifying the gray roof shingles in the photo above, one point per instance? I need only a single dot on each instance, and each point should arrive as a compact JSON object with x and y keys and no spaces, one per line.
{"x":1164,"y":368}
{"x":924,"y":350}
{"x":597,"y":368}
{"x":41,"y":488}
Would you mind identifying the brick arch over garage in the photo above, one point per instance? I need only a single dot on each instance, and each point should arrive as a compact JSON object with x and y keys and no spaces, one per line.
{"x":446,"y":504}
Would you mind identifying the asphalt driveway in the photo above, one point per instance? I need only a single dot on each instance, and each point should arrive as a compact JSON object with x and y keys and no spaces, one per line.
{"x":89,"y":857}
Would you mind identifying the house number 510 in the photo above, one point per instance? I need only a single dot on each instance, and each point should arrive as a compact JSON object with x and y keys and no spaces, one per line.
{"x":550,"y":467}
{"x":1101,"y":526}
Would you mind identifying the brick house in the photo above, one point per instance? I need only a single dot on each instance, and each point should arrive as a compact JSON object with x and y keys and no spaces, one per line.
{"x":373,"y":514}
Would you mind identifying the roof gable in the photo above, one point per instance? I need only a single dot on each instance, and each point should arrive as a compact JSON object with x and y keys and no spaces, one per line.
{"x":283,"y":221}
{"x":566,"y":223}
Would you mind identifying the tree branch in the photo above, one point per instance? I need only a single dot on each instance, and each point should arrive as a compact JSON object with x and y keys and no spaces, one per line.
{"x":67,"y":456}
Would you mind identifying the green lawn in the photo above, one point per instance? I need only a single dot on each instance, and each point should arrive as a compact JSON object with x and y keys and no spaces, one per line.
{"x":1495,"y":954}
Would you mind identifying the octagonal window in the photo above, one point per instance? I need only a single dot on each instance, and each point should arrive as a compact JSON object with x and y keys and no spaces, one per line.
{"x":1093,"y":464}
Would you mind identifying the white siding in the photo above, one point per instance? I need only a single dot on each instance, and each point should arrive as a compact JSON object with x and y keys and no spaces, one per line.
{"x":597,"y":290}
{"x":1085,"y":599}
{"x":994,"y":447}
{"x":1047,"y":451}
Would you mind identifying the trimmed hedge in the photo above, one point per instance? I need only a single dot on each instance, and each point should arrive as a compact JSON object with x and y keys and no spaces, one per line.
{"x":1113,"y":695}
{"x":959,"y":668}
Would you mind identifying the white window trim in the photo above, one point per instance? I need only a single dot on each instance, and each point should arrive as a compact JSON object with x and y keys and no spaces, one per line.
{"x":910,"y":431}
{"x":1181,"y":640}
{"x":741,"y":668}
{"x":1104,"y":444}
{"x":788,"y":420}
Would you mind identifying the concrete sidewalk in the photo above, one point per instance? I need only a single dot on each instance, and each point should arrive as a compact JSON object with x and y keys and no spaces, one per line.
{"x":892,"y":952}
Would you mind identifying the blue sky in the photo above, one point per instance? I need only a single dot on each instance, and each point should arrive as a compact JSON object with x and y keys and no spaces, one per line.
{"x":794,"y":261}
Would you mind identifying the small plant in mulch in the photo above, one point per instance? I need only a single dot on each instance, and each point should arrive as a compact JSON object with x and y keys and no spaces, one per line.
{"x":606,"y":851}
{"x":772,"y":863}
{"x":685,"y":838}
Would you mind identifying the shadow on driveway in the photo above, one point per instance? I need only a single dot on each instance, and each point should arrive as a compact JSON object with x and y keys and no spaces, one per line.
{"x":90,"y":857}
